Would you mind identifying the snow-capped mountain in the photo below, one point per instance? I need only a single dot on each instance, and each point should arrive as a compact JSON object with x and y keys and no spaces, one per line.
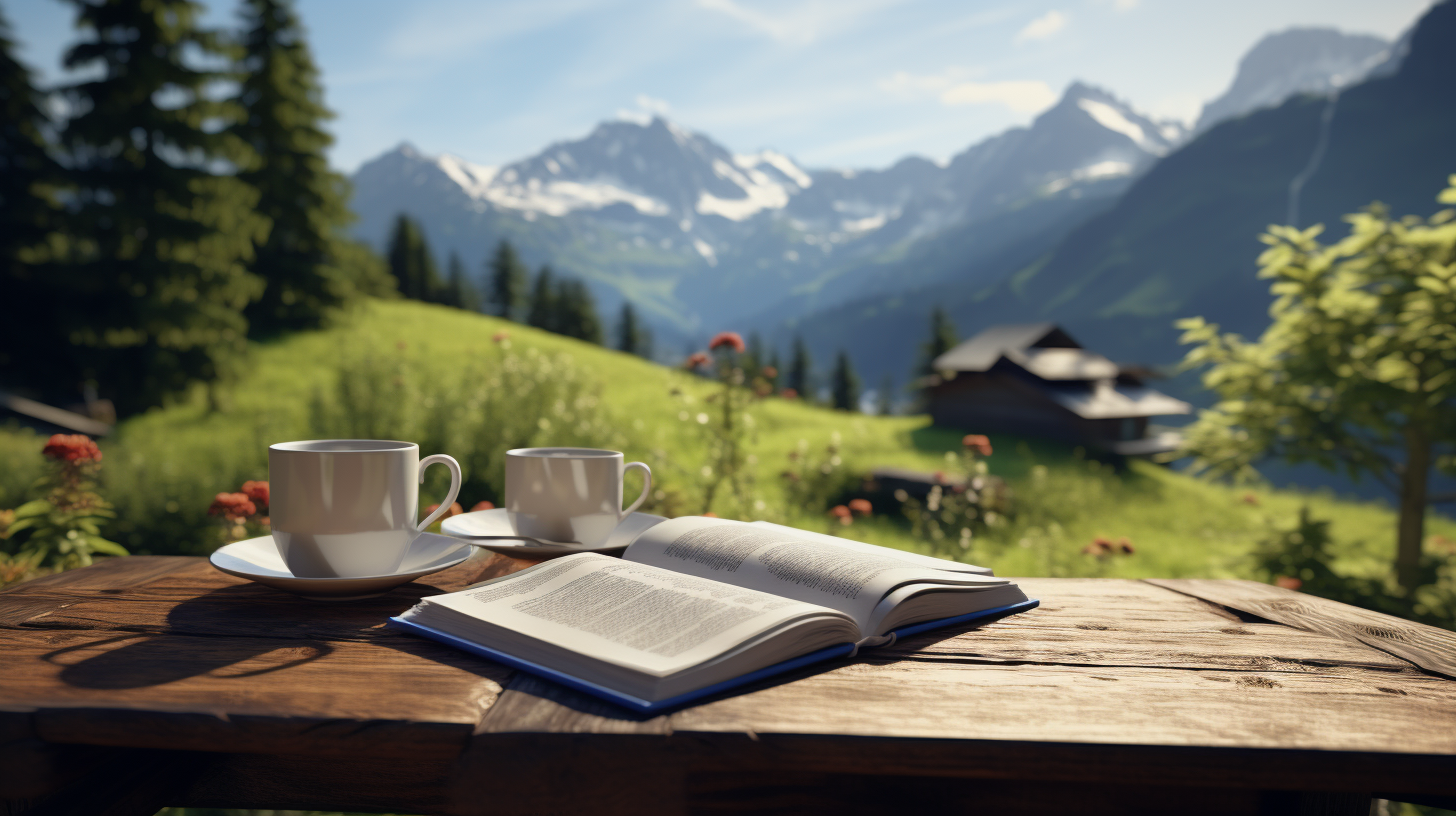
{"x":1300,"y":60}
{"x":700,"y":236}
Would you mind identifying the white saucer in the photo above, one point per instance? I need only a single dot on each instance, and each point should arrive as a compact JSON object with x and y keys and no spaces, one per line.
{"x":497,"y":524}
{"x":257,"y":559}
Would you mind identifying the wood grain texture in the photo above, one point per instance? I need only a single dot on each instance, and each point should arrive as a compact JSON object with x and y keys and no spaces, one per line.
{"x":1426,"y":646}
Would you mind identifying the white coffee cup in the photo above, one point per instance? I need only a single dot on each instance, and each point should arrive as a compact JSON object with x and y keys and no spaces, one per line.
{"x":568,"y":494}
{"x":346,"y":508}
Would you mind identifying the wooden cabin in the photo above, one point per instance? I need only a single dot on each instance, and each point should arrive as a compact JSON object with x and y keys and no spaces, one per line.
{"x":1035,"y":380}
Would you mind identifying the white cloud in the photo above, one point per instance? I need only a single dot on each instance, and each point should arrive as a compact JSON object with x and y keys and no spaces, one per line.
{"x":954,"y":87}
{"x":805,"y":23}
{"x":1043,"y":27}
{"x":647,"y":107}
{"x":1022,"y":96}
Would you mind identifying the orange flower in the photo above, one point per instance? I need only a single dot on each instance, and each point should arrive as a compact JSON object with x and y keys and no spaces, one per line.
{"x":769,"y":371}
{"x":232,"y":506}
{"x":482,"y":505}
{"x":977,"y":443}
{"x":697,"y":360}
{"x":840,"y":510}
{"x":1099,"y":547}
{"x":861,"y":506}
{"x":257,"y":491}
{"x":789,"y":393}
{"x":1288,"y":583}
{"x":1250,"y":499}
{"x":730,"y":339}
{"x":72,"y":448}
{"x":710,"y":514}
{"x":1125,"y":544}
{"x":500,"y":336}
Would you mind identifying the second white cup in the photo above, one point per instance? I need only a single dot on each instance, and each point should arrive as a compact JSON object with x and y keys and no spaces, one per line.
{"x":569,"y":494}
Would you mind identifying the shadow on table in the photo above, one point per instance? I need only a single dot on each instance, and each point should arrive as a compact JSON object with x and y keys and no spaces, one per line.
{"x":153,"y":660}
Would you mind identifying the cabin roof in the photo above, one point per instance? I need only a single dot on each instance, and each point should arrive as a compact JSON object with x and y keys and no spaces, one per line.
{"x":982,"y":351}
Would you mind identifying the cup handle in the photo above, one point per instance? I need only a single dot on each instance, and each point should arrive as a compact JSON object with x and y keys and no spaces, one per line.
{"x":646,"y":487}
{"x":449,"y":462}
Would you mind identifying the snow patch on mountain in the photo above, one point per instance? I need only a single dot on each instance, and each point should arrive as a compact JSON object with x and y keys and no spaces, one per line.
{"x":759,"y":193}
{"x":1112,"y":119}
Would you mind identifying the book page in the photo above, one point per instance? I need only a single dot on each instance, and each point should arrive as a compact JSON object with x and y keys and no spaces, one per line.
{"x":915,"y":559}
{"x":765,"y":559}
{"x":633,"y":615}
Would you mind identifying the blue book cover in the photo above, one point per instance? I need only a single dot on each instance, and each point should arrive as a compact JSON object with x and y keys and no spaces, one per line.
{"x":652,"y":707}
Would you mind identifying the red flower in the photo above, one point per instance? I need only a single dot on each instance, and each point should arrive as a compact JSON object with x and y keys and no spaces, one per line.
{"x":840,"y":510}
{"x":72,"y":448}
{"x":710,"y":514}
{"x":1250,"y":499}
{"x":731,"y":339}
{"x":789,"y":393}
{"x":257,"y":491}
{"x":232,"y":506}
{"x":482,"y":505}
{"x":977,"y":443}
{"x":769,"y":372}
{"x":1125,"y":544}
{"x":1099,"y":547}
{"x":861,"y":506}
{"x":1288,"y":583}
{"x":500,"y":336}
{"x":697,"y":360}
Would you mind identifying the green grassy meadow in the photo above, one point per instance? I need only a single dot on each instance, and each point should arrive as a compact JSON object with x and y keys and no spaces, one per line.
{"x":161,"y":469}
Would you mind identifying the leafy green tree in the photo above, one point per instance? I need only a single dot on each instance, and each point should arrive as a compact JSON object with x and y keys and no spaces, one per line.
{"x":576,"y":312}
{"x":301,"y":263}
{"x":158,"y":278}
{"x":629,"y":330}
{"x":801,"y":369}
{"x":30,"y":346}
{"x":459,"y":291}
{"x":411,"y":262}
{"x":1357,"y":370}
{"x":507,"y":281}
{"x":844,"y":384}
{"x":542,"y":313}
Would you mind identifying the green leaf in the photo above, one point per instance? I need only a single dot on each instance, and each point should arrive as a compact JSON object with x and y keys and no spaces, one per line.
{"x":105,"y":547}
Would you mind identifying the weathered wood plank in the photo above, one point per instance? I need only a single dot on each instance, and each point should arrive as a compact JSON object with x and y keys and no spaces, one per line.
{"x":1426,"y":646}
{"x":244,"y":694}
{"x":1128,"y":623}
{"x":193,"y":598}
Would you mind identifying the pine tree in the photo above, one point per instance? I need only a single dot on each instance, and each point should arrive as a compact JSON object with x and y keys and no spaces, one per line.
{"x":800,"y":370}
{"x":753,"y":360}
{"x":576,"y":312}
{"x":157,"y":284}
{"x":543,"y":301}
{"x":31,"y":350}
{"x":507,"y":282}
{"x":410,"y":261}
{"x":942,"y":339}
{"x":845,"y":384}
{"x":885,"y":396}
{"x":459,"y":291}
{"x":301,"y":263}
{"x":629,"y":332}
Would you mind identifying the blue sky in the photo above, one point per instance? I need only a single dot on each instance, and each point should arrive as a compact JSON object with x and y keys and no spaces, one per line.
{"x":834,"y":83}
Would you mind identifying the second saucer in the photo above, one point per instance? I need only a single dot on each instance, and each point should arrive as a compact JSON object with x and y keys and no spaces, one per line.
{"x":492,"y":530}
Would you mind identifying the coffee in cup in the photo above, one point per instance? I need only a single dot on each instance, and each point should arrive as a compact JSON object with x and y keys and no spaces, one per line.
{"x":346,"y":508}
{"x":568,"y":494}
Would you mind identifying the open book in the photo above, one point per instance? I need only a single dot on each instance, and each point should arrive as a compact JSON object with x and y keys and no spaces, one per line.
{"x":697,"y":605}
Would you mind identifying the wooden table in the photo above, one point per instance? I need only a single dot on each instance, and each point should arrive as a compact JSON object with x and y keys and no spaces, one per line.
{"x":151,"y":681}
